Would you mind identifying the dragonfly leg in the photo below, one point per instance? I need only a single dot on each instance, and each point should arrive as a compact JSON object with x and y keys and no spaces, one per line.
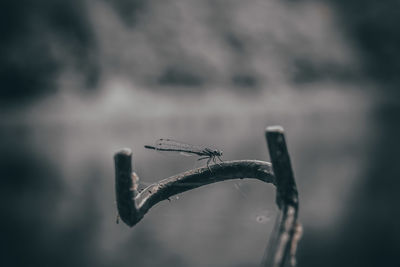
{"x":215,"y":161}
{"x":220,"y":158}
{"x":208,"y":163}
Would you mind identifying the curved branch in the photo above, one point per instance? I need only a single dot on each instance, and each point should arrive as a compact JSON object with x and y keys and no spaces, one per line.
{"x":132,"y":206}
{"x":166,"y":188}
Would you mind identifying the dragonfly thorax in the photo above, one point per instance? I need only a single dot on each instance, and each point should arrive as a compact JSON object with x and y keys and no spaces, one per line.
{"x":218,"y":153}
{"x":213,"y":152}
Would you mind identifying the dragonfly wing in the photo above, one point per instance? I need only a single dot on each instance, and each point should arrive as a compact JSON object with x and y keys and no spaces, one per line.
{"x":173,"y":145}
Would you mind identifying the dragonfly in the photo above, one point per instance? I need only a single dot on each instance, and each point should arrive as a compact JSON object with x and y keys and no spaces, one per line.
{"x":180,"y":147}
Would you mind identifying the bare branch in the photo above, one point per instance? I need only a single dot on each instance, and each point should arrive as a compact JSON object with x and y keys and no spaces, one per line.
{"x":132,"y":206}
{"x":282,"y":246}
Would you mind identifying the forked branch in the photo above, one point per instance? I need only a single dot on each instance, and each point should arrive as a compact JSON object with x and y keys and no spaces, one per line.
{"x":132,"y":205}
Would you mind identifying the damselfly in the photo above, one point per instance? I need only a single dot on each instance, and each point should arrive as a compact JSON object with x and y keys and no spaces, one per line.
{"x":176,"y":146}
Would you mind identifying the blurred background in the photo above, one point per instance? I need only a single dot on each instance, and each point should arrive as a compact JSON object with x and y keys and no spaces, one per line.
{"x":81,"y":79}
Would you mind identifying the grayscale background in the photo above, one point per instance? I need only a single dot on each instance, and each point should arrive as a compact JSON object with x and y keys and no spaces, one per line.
{"x":81,"y":79}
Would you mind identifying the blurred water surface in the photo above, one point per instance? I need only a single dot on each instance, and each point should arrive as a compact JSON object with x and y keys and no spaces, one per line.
{"x":219,"y":225}
{"x":203,"y":72}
